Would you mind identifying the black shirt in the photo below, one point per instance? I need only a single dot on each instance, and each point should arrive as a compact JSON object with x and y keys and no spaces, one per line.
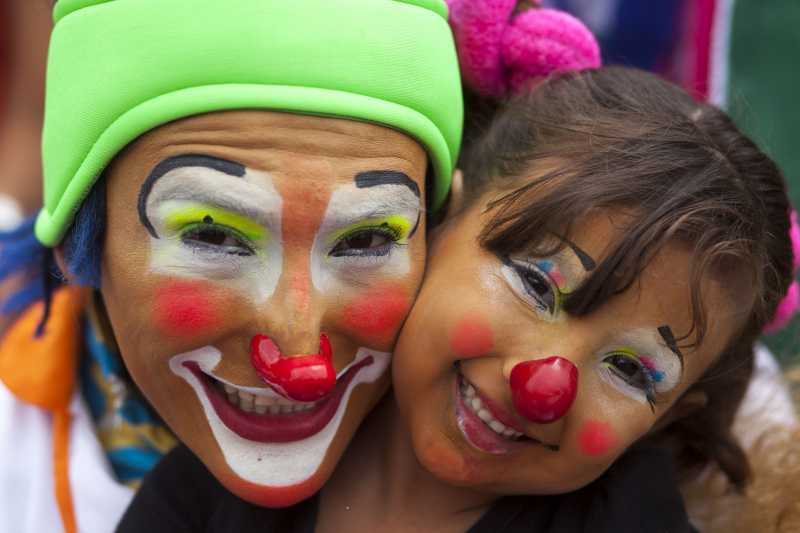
{"x":638,"y":494}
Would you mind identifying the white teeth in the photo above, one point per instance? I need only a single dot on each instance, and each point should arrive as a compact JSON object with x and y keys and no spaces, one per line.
{"x":475,"y":404}
{"x":497,"y":426}
{"x":260,"y":404}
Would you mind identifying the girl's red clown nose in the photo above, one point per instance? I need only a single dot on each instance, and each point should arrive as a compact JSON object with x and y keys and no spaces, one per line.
{"x":543,"y":390}
{"x":303,"y":378}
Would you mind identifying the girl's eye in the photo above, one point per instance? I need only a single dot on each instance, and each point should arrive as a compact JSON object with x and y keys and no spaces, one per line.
{"x":365,"y":242}
{"x":633,"y":373}
{"x":539,"y":287}
{"x":216,"y":238}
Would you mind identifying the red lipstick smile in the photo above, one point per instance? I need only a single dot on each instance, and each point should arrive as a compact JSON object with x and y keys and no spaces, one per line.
{"x":276,"y":428}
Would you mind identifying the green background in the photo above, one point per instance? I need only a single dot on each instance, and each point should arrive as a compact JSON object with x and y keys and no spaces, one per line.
{"x":764,"y":99}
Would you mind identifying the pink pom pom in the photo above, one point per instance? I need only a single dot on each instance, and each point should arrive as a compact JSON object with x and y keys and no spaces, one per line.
{"x":787,"y":308}
{"x":478,"y":28}
{"x":794,"y":234}
{"x":501,"y":53}
{"x":542,"y":41}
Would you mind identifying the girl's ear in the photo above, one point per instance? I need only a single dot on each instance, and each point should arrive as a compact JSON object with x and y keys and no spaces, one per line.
{"x":690,"y":402}
{"x":456,"y":201}
{"x":58,"y":254}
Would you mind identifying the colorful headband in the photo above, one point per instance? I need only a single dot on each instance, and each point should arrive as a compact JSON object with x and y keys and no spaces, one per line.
{"x":119,"y":68}
{"x":791,"y":302}
{"x":501,"y":52}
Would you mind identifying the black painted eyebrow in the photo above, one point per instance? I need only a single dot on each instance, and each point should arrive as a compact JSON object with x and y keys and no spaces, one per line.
{"x":375,"y":178}
{"x":669,"y":339}
{"x":231,"y":168}
{"x":586,"y":260}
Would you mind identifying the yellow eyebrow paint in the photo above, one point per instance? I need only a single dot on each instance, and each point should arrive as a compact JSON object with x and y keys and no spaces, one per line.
{"x":200,"y":213}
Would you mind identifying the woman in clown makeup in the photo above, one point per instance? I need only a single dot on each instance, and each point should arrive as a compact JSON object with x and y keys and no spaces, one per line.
{"x":237,"y":193}
{"x":585,"y":329}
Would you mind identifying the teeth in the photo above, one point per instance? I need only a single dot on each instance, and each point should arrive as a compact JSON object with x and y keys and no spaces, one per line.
{"x":475,"y":404}
{"x":252,"y":403}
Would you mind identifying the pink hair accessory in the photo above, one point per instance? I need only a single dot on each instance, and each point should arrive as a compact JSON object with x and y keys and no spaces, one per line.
{"x":501,"y":52}
{"x":791,"y":302}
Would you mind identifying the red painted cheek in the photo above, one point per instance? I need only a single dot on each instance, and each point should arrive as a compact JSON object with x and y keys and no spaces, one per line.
{"x":376,"y":317}
{"x":596,"y":438}
{"x":184,"y":308}
{"x":471,"y":337}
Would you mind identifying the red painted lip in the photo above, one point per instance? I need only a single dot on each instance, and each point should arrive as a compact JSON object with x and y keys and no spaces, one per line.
{"x":269,"y":428}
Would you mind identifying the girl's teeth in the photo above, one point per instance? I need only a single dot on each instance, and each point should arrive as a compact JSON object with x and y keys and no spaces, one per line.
{"x":274,"y":409}
{"x":471,"y":399}
{"x":260,"y":409}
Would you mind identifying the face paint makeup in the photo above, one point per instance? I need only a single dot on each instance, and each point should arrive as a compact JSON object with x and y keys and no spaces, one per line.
{"x":472,"y":337}
{"x":272,"y":461}
{"x":378,"y":315}
{"x":184,"y":308}
{"x":596,"y":438}
{"x":543,"y":390}
{"x":185,"y":217}
{"x":304,"y":378}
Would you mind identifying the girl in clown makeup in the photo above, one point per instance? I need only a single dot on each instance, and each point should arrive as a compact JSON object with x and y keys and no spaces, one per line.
{"x":586,"y":327}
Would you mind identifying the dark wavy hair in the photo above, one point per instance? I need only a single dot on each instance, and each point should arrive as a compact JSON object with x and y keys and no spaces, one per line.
{"x":623,"y":138}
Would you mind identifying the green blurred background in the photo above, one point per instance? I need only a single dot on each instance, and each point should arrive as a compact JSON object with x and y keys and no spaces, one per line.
{"x":763,"y":98}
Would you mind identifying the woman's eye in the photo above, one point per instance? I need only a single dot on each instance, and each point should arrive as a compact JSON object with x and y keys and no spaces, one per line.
{"x":216,"y":238}
{"x":633,"y":373}
{"x":371,"y":242}
{"x":539,"y":287}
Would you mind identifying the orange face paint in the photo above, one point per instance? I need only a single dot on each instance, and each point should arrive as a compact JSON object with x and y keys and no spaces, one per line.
{"x":596,"y":438}
{"x":184,"y":308}
{"x":376,"y":317}
{"x":472,"y":337}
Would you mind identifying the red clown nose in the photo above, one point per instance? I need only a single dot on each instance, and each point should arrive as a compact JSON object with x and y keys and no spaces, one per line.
{"x":543,"y":390}
{"x":303,"y":378}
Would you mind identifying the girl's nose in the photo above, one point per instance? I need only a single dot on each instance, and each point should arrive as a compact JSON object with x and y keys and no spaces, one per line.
{"x":543,"y":389}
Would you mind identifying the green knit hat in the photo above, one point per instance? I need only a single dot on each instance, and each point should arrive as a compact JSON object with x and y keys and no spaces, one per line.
{"x":119,"y":68}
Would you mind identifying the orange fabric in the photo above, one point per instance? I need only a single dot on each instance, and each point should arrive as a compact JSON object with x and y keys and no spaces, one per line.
{"x":41,"y":371}
{"x":61,"y":420}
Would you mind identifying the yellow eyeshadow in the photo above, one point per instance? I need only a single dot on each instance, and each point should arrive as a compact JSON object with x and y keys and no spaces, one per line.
{"x":398,"y":224}
{"x":196,"y":214}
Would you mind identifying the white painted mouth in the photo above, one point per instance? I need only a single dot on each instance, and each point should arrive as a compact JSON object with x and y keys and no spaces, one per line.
{"x":273,"y":464}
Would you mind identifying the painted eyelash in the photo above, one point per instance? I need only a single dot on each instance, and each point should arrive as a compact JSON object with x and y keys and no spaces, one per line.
{"x":523,"y":268}
{"x":208,"y":223}
{"x":393,"y":234}
{"x":649,"y":372}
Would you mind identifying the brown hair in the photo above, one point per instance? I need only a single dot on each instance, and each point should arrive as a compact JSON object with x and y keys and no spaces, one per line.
{"x":625,"y":139}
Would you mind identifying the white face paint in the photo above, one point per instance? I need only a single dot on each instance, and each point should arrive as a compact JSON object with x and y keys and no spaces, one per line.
{"x":364,"y":231}
{"x":252,"y":198}
{"x":273,"y":464}
{"x":391,"y":206}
